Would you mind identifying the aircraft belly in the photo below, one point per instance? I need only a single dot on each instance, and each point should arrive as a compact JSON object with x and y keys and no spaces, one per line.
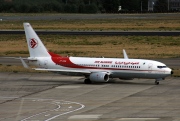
{"x":138,"y":75}
{"x":70,"y":73}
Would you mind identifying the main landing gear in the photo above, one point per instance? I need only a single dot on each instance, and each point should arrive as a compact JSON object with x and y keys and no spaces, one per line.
{"x":157,"y":82}
{"x":87,"y":81}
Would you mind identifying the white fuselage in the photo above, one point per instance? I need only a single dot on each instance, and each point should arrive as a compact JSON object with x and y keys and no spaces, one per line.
{"x":116,"y":67}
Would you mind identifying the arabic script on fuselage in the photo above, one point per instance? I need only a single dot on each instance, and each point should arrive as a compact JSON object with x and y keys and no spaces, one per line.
{"x":105,"y":62}
{"x":117,"y":62}
{"x":126,"y":63}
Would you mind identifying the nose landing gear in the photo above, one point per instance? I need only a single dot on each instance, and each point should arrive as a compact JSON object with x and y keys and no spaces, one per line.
{"x":157,"y":80}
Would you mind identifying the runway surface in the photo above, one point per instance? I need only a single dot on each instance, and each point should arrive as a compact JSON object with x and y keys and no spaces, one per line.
{"x":53,"y":97}
{"x":28,"y":17}
{"x":104,"y":33}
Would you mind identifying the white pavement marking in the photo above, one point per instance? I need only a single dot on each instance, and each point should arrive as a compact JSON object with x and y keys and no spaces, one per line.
{"x":82,"y":106}
{"x":42,"y":112}
{"x":137,"y":119}
{"x":48,"y":115}
{"x":67,"y":87}
{"x":54,"y":102}
{"x":84,"y":117}
{"x":8,"y":97}
{"x":20,"y":108}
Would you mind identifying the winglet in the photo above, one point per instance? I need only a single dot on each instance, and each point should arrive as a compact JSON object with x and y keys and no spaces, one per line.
{"x":125,"y":55}
{"x":24,"y":64}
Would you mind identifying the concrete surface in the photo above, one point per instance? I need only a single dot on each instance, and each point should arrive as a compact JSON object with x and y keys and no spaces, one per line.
{"x":53,"y":97}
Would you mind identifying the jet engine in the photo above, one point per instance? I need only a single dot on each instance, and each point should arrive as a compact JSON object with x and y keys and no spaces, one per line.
{"x":99,"y":77}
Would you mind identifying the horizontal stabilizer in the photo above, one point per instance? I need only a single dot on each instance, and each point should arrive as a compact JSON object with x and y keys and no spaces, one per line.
{"x":32,"y":59}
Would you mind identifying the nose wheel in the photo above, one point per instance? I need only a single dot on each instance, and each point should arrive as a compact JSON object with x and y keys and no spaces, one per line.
{"x":157,"y":82}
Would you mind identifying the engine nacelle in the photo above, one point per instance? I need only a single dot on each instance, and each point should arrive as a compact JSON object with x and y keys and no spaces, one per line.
{"x":99,"y":77}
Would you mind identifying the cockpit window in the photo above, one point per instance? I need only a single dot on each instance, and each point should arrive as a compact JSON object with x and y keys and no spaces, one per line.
{"x":161,"y":66}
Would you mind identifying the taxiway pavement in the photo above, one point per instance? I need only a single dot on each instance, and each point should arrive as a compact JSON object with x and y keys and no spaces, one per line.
{"x":88,"y":16}
{"x":53,"y":97}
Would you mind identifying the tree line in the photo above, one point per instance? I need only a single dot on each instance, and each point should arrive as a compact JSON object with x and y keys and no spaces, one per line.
{"x":77,"y":6}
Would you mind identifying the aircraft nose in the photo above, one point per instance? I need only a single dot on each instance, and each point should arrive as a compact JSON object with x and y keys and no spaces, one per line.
{"x":170,"y":71}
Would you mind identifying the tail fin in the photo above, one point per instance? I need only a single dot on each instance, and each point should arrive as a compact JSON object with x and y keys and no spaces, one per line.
{"x":35,"y":45}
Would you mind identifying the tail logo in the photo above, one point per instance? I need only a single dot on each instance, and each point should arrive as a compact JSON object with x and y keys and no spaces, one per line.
{"x":33,"y":43}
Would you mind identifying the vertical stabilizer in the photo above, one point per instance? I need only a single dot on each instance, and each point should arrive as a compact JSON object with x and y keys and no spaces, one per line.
{"x":35,"y":45}
{"x":125,"y":55}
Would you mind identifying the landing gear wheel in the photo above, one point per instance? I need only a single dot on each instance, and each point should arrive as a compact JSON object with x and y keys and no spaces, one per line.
{"x":87,"y":81}
{"x":157,"y":82}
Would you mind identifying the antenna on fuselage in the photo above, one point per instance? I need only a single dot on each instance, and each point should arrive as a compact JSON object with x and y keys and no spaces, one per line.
{"x":125,"y":55}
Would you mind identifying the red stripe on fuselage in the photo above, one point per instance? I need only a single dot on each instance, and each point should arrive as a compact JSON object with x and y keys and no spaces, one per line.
{"x":63,"y":61}
{"x":53,"y":54}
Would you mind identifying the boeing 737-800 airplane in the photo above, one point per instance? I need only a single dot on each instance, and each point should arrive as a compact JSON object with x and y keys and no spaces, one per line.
{"x":93,"y":69}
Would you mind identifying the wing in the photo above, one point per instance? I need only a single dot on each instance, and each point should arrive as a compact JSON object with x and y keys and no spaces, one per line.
{"x":63,"y":70}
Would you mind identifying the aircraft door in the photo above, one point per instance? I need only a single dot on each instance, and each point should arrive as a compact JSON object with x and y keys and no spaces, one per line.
{"x":150,"y":67}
